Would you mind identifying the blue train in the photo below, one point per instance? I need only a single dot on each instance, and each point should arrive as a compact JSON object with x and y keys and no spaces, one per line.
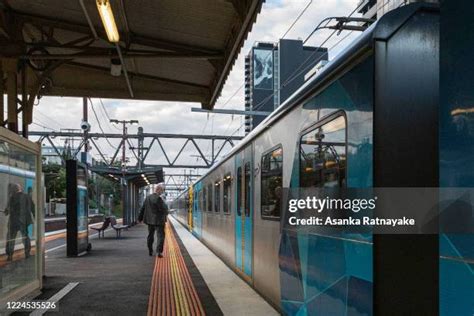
{"x":370,"y":118}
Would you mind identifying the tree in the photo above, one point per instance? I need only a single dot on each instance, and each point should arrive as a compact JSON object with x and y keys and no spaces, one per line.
{"x":108,"y":188}
{"x":55,"y":181}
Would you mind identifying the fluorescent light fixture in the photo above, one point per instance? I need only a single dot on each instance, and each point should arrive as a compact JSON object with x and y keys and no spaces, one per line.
{"x":107,"y":17}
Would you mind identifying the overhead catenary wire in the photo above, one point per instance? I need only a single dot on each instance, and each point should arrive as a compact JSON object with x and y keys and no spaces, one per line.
{"x":100,"y":126}
{"x":328,"y":20}
{"x":43,"y":126}
{"x":37,"y":111}
{"x":283,"y":36}
{"x":297,"y":18}
{"x":107,"y":114}
{"x":104,"y":118}
{"x":297,"y":71}
{"x":111,"y":127}
{"x":303,"y":11}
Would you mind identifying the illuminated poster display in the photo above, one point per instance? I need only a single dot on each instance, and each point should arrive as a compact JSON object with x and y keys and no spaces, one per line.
{"x":77,"y":209}
{"x":263,"y":69}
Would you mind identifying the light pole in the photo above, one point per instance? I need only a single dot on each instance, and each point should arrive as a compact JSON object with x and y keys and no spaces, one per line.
{"x":126,"y":220}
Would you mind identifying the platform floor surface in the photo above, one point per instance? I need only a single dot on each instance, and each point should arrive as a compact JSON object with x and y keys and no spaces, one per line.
{"x":233,"y":295}
{"x":118,"y":277}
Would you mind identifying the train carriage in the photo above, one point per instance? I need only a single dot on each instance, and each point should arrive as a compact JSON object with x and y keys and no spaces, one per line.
{"x":369,"y":118}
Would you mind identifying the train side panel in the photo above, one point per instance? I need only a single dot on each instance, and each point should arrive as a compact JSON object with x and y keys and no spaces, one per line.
{"x":267,"y":226}
{"x":217,"y":224}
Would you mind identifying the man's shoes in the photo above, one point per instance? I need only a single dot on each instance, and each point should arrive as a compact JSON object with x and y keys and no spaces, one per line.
{"x":150,"y":253}
{"x":160,"y":255}
{"x":10,"y":258}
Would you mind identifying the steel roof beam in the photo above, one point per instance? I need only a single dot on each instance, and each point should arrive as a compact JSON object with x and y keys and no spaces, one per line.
{"x":145,"y":135}
{"x":141,"y":76}
{"x":106,"y":54}
{"x":134,"y":38}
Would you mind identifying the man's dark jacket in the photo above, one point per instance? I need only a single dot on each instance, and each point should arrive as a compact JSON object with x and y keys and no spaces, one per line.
{"x":154,"y":210}
{"x":21,"y":209}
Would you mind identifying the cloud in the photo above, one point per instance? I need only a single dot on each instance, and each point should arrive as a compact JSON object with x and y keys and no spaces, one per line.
{"x":176,"y":117}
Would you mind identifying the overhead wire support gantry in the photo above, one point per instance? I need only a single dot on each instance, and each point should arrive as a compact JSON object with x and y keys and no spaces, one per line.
{"x":218,"y":143}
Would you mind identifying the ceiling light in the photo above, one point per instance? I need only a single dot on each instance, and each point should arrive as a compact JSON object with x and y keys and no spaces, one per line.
{"x":107,"y":17}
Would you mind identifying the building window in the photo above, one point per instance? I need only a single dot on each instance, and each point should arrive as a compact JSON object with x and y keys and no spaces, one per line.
{"x":323,"y":155}
{"x":209,"y":197}
{"x":227,"y":193}
{"x":217,"y":196}
{"x":239,"y":191}
{"x":247,"y":189}
{"x":276,"y":84}
{"x":271,"y":183}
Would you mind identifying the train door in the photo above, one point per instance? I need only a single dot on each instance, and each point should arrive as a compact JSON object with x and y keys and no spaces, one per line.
{"x":244,"y":211}
{"x":189,"y":207}
{"x":197,"y":210}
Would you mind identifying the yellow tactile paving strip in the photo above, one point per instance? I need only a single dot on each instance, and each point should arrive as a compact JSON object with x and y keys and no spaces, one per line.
{"x":172,"y":290}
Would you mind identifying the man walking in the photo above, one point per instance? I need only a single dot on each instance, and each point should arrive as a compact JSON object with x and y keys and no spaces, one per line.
{"x":154,"y":212}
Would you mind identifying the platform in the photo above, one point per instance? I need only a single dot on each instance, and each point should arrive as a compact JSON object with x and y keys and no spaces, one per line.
{"x":118,"y":277}
{"x":233,"y":295}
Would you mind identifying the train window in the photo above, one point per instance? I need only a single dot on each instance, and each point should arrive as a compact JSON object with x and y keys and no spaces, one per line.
{"x":196,"y":200}
{"x":209,"y":197}
{"x":217,"y":196}
{"x":271,"y":183}
{"x":239,"y":191}
{"x":247,"y":189}
{"x":199,"y":200}
{"x":323,"y":155}
{"x":227,"y":193}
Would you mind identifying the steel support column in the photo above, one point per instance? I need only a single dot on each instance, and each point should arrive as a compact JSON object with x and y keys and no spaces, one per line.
{"x":85,"y":118}
{"x":12,"y":90}
{"x":27,"y":111}
{"x":2,"y":89}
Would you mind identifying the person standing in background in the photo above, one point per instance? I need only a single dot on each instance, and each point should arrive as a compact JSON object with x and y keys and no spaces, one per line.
{"x":154,"y":212}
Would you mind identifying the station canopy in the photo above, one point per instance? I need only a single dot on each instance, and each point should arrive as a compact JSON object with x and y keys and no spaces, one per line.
{"x":172,"y":50}
{"x":139,"y":177}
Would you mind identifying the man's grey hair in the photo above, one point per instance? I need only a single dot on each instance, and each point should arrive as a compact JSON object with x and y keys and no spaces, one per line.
{"x":160,"y":187}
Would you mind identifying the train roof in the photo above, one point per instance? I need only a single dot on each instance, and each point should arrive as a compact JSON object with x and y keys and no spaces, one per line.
{"x":383,"y":29}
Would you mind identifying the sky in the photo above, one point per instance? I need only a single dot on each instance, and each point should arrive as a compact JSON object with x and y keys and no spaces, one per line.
{"x":273,"y":22}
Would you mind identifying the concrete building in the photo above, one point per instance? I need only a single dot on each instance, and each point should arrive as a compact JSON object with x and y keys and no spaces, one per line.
{"x":274,"y":71}
{"x":50,"y":155}
{"x":374,"y":9}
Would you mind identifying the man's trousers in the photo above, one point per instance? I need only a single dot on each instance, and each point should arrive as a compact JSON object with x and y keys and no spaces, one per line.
{"x":160,"y":236}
